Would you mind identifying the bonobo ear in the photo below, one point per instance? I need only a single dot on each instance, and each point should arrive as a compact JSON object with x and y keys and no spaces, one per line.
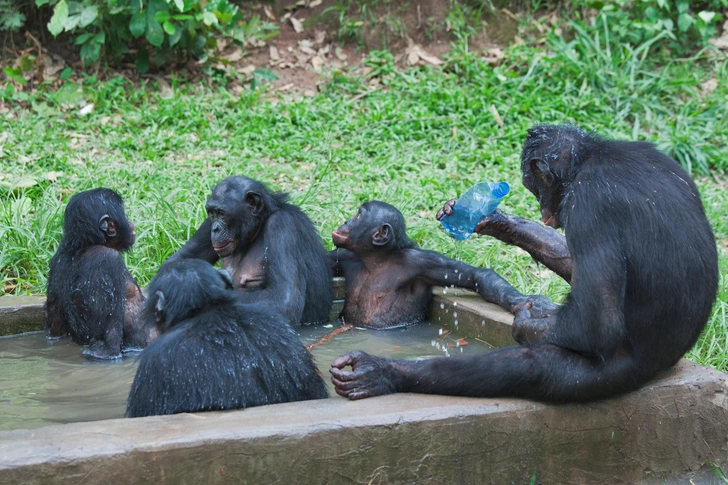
{"x":541,"y":169}
{"x":108,"y":225}
{"x":383,"y":235}
{"x":255,"y":202}
{"x":226,"y":278}
{"x":159,"y":306}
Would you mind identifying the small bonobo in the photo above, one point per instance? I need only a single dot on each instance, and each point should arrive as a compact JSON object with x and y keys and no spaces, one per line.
{"x":270,"y":248}
{"x":389,"y":281}
{"x":644,"y":276}
{"x":216,"y":352}
{"x":91,"y":294}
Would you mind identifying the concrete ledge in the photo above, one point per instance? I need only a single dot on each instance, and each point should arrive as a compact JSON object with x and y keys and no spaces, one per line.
{"x":665,"y":433}
{"x":20,"y":314}
{"x":665,"y":430}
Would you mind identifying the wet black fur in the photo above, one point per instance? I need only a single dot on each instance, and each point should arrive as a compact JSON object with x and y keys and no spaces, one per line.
{"x":297,"y":270}
{"x":216,"y":353}
{"x":87,"y":278}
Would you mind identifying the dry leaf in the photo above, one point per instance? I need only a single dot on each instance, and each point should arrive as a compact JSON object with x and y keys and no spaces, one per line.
{"x":412,"y":58}
{"x":297,"y":25}
{"x":306,"y":49}
{"x":247,"y":70}
{"x":86,"y":109}
{"x":315,"y":3}
{"x":274,"y":55}
{"x":268,"y":12}
{"x":317,"y":63}
{"x":319,"y":37}
{"x":53,"y":176}
{"x":496,"y":115}
{"x":340,"y":54}
{"x":286,"y":87}
{"x":434,"y":60}
{"x":310,"y":93}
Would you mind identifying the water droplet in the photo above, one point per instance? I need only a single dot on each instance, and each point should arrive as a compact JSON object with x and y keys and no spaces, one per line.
{"x":442,"y":305}
{"x":455,"y":314}
{"x":482,"y":324}
{"x":440,"y":331}
{"x":445,"y":275}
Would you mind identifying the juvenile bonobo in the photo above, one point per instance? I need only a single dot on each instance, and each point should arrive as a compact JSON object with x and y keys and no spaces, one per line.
{"x":644,"y":277}
{"x":91,"y":294}
{"x":389,"y":281}
{"x":216,"y":352}
{"x":270,"y":248}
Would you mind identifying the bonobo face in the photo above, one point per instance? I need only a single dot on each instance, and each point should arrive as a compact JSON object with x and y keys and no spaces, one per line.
{"x":370,"y":229}
{"x":538,"y":178}
{"x":233,"y":212}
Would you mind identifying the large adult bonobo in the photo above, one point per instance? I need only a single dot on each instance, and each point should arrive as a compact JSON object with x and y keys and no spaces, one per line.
{"x":389,"y":281}
{"x":91,"y":294}
{"x":216,"y":352}
{"x":644,"y":278}
{"x":270,"y":248}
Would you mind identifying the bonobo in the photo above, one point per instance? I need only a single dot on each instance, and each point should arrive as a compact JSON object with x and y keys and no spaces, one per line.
{"x":389,"y":281}
{"x":216,"y":352}
{"x":644,"y":276}
{"x":270,"y":248}
{"x":91,"y":294}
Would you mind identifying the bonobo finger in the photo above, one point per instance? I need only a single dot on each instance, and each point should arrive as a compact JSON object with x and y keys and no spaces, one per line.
{"x":341,"y":375}
{"x":525,"y":305}
{"x":360,"y":394}
{"x":446,"y":209}
{"x":344,"y":385}
{"x":347,"y":359}
{"x":341,"y":393}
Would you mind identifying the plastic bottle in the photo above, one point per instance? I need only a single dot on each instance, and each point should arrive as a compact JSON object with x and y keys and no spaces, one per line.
{"x":477,"y":202}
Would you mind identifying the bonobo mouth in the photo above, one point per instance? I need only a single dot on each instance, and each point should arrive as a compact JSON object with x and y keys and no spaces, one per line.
{"x":339,"y":239}
{"x":548,"y":218}
{"x":224,"y":250}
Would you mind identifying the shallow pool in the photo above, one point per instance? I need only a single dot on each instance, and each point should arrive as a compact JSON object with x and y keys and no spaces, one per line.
{"x":46,"y":382}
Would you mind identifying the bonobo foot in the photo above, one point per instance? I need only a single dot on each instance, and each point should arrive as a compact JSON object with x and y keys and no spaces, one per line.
{"x":533,"y":319}
{"x":369,"y":376}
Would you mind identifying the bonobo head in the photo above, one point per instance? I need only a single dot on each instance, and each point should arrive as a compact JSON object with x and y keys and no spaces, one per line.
{"x":377,"y":226}
{"x":238,"y":208}
{"x":183,"y":288}
{"x":550,"y":159}
{"x":96,"y":217}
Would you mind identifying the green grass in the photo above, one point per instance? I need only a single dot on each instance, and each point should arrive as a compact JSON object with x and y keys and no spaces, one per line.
{"x":421,"y":138}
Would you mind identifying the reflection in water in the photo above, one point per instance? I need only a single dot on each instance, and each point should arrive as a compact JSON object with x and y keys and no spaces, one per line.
{"x":48,"y":382}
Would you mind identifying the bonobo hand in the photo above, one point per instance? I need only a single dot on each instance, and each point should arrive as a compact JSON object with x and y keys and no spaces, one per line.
{"x":446,"y":209}
{"x":533,"y":318}
{"x":498,"y":225}
{"x":369,"y":376}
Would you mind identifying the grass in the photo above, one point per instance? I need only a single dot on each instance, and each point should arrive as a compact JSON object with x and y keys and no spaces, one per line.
{"x":422,"y":137}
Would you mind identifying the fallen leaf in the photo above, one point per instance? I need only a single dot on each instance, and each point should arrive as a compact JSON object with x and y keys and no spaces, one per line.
{"x":86,"y":109}
{"x":297,"y":25}
{"x":315,"y":3}
{"x":53,"y":176}
{"x":317,"y":63}
{"x":340,"y":54}
{"x":462,"y":342}
{"x":310,"y":93}
{"x":247,"y":70}
{"x":496,"y":115}
{"x":268,"y":12}
{"x":274,"y":55}
{"x":412,"y":58}
{"x":286,"y":87}
{"x":434,"y":60}
{"x":319,"y":37}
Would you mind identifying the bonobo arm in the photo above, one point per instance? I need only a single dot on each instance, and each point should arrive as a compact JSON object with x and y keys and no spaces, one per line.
{"x":437,"y":269}
{"x":592,"y":321}
{"x":198,"y":247}
{"x":544,"y":244}
{"x":284,"y":285}
{"x":338,"y":258}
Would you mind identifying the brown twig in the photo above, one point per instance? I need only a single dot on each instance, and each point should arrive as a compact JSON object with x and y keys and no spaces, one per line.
{"x":39,"y":64}
{"x":344,"y":328}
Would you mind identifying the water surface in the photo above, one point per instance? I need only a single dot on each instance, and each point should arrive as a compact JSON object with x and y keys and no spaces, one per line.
{"x":46,"y":382}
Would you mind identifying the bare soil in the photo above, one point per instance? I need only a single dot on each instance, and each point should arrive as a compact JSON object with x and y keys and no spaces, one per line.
{"x":315,"y":38}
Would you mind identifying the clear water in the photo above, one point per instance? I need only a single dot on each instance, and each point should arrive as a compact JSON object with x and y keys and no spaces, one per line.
{"x":47,"y":382}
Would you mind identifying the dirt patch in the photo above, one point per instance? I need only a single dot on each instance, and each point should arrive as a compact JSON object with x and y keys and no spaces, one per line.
{"x":315,"y":39}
